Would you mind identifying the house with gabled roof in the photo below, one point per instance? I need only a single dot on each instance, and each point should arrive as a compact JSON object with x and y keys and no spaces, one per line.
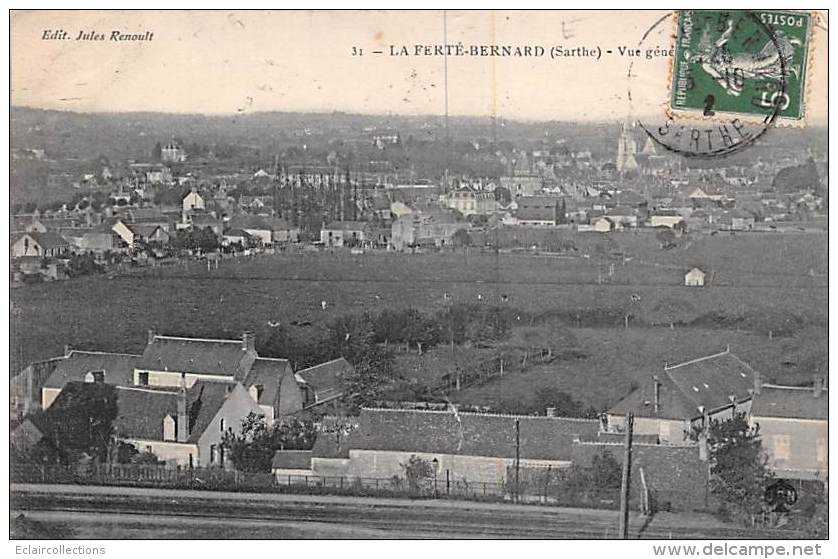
{"x":793,"y":425}
{"x":684,"y":396}
{"x":88,"y":366}
{"x":166,"y":358}
{"x":181,"y":426}
{"x":25,"y":387}
{"x":47,"y":244}
{"x":324,"y":382}
{"x":273,"y":385}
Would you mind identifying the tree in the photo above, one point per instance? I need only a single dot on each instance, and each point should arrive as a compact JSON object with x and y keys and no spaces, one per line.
{"x":81,"y":421}
{"x":798,"y":177}
{"x":348,"y":336}
{"x":371,"y":374}
{"x":739,"y":474}
{"x":157,"y":152}
{"x":606,"y":472}
{"x":252,"y":448}
{"x":665,"y":237}
{"x":417,"y":471}
{"x":461,"y":238}
{"x":671,"y":310}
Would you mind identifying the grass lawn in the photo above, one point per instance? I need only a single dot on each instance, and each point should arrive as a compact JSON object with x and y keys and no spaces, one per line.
{"x":619,"y":359}
{"x":113,"y":314}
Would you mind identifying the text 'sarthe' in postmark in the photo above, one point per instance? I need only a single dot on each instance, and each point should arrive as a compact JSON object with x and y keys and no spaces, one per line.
{"x":749,"y":65}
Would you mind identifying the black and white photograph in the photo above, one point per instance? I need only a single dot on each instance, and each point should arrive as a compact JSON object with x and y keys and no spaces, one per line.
{"x":430,"y":274}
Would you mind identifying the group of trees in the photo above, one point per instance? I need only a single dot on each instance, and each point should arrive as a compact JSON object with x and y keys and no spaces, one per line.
{"x":80,"y":428}
{"x":252,"y":448}
{"x":204,"y":240}
{"x":368,"y":340}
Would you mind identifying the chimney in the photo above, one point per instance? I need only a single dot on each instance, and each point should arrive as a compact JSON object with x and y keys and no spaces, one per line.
{"x":757,"y":383}
{"x":818,"y":385}
{"x":656,"y":402}
{"x":703,"y":450}
{"x":249,"y":341}
{"x":182,"y":418}
{"x":551,"y":412}
{"x":150,"y":336}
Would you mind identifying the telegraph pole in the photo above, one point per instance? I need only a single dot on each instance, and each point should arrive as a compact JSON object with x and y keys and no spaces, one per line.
{"x":626,"y":482}
{"x":517,"y":459}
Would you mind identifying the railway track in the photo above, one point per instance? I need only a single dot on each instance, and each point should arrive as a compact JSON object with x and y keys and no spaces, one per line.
{"x":387,"y":519}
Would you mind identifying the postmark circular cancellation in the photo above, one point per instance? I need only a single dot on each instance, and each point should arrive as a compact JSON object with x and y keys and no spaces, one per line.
{"x":733,"y":76}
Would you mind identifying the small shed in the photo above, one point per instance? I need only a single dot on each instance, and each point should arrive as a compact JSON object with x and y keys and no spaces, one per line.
{"x":694,"y":278}
{"x":603,"y":225}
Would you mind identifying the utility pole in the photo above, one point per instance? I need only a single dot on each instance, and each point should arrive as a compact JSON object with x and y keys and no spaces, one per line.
{"x":626,"y":482}
{"x":517,"y":459}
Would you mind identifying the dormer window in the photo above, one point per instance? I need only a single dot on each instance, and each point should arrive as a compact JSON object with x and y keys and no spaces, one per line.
{"x":256,"y":391}
{"x":95,"y":376}
{"x":169,"y":428}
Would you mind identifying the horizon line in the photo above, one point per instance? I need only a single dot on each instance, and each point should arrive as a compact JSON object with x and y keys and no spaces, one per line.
{"x":490,"y":117}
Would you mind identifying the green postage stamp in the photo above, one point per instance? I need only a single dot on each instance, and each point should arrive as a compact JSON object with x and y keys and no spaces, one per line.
{"x":745,"y":64}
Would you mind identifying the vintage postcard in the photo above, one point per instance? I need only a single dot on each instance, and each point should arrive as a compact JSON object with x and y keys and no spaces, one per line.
{"x":430,"y":274}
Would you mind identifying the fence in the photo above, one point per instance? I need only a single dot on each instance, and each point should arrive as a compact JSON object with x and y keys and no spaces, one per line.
{"x":216,"y":479}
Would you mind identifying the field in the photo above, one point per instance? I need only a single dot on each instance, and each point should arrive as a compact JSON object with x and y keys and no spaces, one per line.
{"x":760,"y":275}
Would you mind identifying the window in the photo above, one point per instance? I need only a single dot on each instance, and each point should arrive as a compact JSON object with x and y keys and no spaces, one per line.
{"x":142,"y":379}
{"x":782,"y":447}
{"x":213,"y":454}
{"x":221,"y":424}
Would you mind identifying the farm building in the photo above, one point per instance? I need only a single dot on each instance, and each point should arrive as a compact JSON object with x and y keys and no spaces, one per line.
{"x":39,"y":244}
{"x":793,"y":424}
{"x":603,"y":225}
{"x":473,"y":446}
{"x":665,"y":218}
{"x":686,"y":395}
{"x":694,"y":278}
{"x":323,"y":383}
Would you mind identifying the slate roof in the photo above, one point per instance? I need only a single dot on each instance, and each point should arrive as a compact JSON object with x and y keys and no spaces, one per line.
{"x":193,"y":355}
{"x":326,"y":378}
{"x":141,"y":410}
{"x":48,"y":240}
{"x":118,"y":367}
{"x":538,"y":208}
{"x":291,"y":460}
{"x":470,"y":434}
{"x":790,"y":402}
{"x":268,"y":373}
{"x":336,"y":437}
{"x":708,"y":381}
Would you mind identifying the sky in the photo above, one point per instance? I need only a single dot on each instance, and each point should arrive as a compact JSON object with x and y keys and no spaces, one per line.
{"x":234,"y":62}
